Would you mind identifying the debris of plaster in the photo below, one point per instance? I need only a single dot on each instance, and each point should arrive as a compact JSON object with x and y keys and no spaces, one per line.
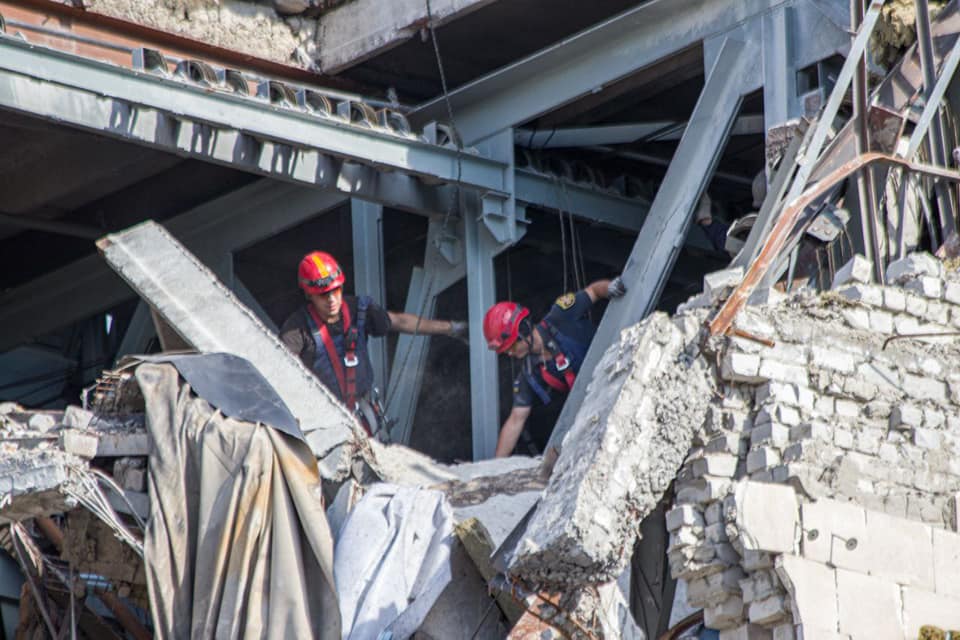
{"x":862,"y":429}
{"x":248,"y":27}
{"x":896,"y":30}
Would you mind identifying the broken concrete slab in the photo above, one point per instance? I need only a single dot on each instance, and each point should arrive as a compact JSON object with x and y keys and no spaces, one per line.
{"x":212,"y":319}
{"x":638,"y":420}
{"x":767,"y":517}
{"x":358,"y":30}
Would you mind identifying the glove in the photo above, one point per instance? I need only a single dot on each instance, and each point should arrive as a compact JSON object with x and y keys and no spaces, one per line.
{"x":459,"y":330}
{"x":616,"y":288}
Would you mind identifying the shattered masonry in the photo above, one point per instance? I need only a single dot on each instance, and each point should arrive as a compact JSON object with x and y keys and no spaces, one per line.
{"x":820,"y":489}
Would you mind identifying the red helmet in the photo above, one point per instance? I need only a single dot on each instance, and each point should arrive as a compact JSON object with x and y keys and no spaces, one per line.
{"x":501,"y":325}
{"x":319,"y":273}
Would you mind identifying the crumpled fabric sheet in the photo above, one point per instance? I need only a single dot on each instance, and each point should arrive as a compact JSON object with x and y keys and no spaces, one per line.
{"x":392,"y":561}
{"x":237,"y":545}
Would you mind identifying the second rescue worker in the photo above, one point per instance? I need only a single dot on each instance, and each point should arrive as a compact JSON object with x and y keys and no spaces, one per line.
{"x":330,"y":334}
{"x":551,"y":350}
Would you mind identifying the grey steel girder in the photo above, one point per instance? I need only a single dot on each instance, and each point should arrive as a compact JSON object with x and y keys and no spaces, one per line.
{"x":671,"y":213}
{"x":621,"y":133}
{"x":480,"y":247}
{"x":207,"y":315}
{"x":582,"y":202}
{"x":584,"y":63}
{"x":88,"y":286}
{"x":241,"y":131}
{"x":368,"y":272}
{"x":443,"y":266}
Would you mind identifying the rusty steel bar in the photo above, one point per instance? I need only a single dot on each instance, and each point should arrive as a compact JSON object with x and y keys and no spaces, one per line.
{"x":935,"y":140}
{"x":120,"y":611}
{"x":866,"y":193}
{"x":779,"y":236}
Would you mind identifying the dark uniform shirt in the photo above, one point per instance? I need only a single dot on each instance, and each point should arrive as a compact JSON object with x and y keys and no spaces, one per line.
{"x":295,"y":332}
{"x":569,"y":316}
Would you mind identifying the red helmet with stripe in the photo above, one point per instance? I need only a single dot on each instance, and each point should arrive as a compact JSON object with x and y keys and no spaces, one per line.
{"x":501,"y":325}
{"x":319,"y":273}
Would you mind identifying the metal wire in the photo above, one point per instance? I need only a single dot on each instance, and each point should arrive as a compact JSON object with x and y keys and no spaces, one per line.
{"x":456,"y":197}
{"x":85,"y":490}
{"x":19,"y":536}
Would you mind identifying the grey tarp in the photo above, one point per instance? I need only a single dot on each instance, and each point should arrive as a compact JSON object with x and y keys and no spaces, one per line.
{"x":393,"y":561}
{"x":237,"y":545}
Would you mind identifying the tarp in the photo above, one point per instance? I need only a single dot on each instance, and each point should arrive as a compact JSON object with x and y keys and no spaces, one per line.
{"x":237,"y":545}
{"x":392,"y":561}
{"x":234,"y":386}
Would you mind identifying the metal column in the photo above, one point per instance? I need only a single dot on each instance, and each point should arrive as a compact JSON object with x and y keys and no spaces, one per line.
{"x":368,"y":275}
{"x":443,"y":266}
{"x":481,"y":247}
{"x":936,"y":138}
{"x":780,"y":101}
{"x":671,"y":213}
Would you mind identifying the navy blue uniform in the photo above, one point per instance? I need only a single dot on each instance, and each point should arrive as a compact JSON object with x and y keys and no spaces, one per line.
{"x":568,"y":327}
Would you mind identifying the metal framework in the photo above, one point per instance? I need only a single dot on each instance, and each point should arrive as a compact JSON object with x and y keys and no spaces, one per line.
{"x":303,"y":149}
{"x":210,"y":230}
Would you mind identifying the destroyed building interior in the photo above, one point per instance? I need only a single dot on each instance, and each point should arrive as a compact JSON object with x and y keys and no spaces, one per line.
{"x":762,"y":440}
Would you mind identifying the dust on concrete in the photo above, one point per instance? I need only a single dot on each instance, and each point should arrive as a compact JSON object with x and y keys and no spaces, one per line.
{"x":248,"y":27}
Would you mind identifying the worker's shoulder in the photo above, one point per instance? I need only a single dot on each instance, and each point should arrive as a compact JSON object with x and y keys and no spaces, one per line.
{"x":294,"y":321}
{"x":566,"y":301}
{"x":571,"y":303}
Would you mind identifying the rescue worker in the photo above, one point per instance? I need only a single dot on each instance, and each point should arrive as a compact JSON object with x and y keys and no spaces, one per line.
{"x":551,"y":350}
{"x":330,"y":335}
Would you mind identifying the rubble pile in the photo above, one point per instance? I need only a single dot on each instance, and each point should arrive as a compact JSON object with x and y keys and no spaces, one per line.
{"x":253,"y":28}
{"x":859,"y":435}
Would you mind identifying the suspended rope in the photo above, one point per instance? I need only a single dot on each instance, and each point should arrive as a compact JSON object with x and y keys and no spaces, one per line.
{"x":456,"y":198}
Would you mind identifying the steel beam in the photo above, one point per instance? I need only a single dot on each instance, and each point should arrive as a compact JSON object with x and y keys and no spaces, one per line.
{"x":780,"y":101}
{"x":444,"y":266}
{"x":368,"y":274}
{"x":671,"y":213}
{"x":586,"y":62}
{"x":210,"y":318}
{"x":231,"y":222}
{"x":481,"y":247}
{"x":621,"y":133}
{"x":931,"y":107}
{"x":240,"y":131}
{"x":936,"y":140}
{"x":583,"y":202}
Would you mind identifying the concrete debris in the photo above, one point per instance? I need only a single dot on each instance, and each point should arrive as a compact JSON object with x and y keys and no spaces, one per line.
{"x":858,"y":431}
{"x":249,"y":27}
{"x":626,"y":445}
{"x":802,"y":450}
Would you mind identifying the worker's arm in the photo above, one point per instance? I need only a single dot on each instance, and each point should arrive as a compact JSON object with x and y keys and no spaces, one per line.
{"x":510,"y":431}
{"x":606,"y":289}
{"x":407,"y":323}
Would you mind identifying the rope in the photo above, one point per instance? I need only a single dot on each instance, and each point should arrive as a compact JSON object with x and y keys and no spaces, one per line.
{"x":456,"y":197}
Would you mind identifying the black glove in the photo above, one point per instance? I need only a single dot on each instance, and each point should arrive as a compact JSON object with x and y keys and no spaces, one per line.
{"x":616,"y":288}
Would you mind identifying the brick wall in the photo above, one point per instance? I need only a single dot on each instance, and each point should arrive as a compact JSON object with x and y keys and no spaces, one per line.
{"x":821,"y":497}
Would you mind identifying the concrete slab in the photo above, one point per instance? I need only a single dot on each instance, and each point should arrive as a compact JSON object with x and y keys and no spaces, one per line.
{"x":209,"y":317}
{"x":644,"y":405}
{"x":868,"y":607}
{"x":767,"y":517}
{"x":356,"y":31}
{"x":813,"y":591}
{"x":946,"y":563}
{"x":922,"y":607}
